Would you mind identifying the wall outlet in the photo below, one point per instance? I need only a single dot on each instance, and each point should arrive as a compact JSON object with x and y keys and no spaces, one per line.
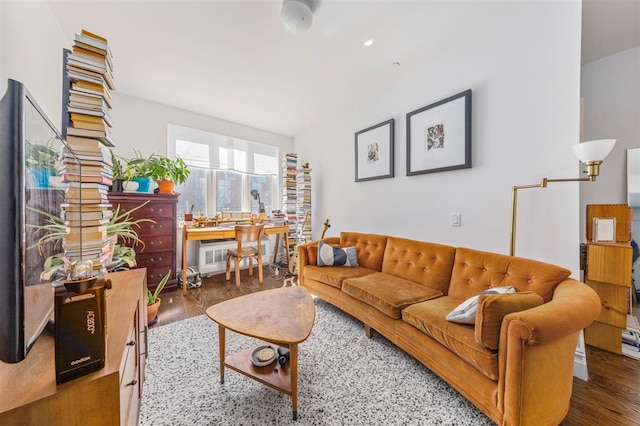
{"x":456,"y":219}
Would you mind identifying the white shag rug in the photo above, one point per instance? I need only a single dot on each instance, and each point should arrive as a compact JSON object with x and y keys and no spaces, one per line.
{"x":344,"y":378}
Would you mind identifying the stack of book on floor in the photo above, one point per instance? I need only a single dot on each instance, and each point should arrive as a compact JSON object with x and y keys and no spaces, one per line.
{"x":303,"y":204}
{"x":86,"y":165}
{"x":289,"y":196}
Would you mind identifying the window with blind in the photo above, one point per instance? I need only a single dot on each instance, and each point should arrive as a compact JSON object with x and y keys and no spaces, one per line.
{"x":224,"y":170}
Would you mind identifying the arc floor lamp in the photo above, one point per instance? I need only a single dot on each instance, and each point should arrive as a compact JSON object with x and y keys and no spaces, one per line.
{"x":591,"y":154}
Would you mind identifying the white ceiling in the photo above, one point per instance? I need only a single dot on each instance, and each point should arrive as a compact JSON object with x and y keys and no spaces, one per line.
{"x":234,"y":60}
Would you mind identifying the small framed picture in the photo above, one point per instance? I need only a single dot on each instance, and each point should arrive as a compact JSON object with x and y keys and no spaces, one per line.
{"x":604,"y":229}
{"x":374,"y":152}
{"x":439,"y":136}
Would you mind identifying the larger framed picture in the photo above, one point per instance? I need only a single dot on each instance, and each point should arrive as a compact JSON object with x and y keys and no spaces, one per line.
{"x":439,"y":136}
{"x":374,"y":152}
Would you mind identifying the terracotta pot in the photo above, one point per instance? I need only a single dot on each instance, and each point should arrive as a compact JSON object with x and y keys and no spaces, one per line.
{"x":165,"y":186}
{"x":152,"y":312}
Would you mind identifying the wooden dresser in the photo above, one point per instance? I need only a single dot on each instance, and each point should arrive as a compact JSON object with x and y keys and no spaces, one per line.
{"x":608,"y":272}
{"x":159,"y":252}
{"x":110,"y":396}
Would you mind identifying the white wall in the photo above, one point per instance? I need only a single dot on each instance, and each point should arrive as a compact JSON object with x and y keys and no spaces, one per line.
{"x":31,"y":52}
{"x":142,"y":124}
{"x":611,"y":91}
{"x":525,"y":82}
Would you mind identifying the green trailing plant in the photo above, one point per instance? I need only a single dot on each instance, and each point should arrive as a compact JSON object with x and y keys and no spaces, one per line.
{"x":152,"y":298}
{"x":164,"y":168}
{"x":54,"y":230}
{"x":120,"y":225}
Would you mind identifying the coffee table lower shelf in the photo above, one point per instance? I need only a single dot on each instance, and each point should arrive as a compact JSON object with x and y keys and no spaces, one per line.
{"x":272,"y":375}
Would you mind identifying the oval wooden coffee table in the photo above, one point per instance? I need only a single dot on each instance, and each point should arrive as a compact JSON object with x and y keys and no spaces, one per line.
{"x":283,"y":317}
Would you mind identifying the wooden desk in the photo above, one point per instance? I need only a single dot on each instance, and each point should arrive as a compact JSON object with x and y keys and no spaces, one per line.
{"x":221,"y":233}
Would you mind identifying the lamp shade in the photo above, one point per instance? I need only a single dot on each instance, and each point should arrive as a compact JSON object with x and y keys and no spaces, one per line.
{"x":593,"y":150}
{"x":297,"y":15}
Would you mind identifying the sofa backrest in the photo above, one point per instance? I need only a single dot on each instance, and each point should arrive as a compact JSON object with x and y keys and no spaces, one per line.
{"x":370,"y":247}
{"x":425,"y":263}
{"x":475,"y":271}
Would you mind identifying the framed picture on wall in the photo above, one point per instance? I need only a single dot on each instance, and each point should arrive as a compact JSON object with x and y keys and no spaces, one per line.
{"x":439,"y":136}
{"x":374,"y":152}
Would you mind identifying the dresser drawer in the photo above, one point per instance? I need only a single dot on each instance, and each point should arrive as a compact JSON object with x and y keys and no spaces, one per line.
{"x":160,"y":227}
{"x":156,"y":243}
{"x":155,"y":259}
{"x":151,"y":210}
{"x":129,"y":383}
{"x":155,"y":274}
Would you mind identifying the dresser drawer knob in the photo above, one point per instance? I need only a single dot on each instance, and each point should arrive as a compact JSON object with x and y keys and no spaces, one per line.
{"x":155,"y":243}
{"x":132,"y":383}
{"x":153,"y":260}
{"x":156,"y":211}
{"x":157,"y":226}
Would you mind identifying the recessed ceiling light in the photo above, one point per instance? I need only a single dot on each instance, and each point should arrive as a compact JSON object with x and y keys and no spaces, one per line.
{"x":396,"y":65}
{"x":368,"y":42}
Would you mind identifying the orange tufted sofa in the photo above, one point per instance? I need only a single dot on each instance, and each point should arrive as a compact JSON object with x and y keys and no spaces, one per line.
{"x":515,"y":363}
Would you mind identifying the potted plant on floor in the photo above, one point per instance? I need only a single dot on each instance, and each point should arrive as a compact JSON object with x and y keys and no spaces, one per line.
{"x":153,"y":301}
{"x":168,"y":172}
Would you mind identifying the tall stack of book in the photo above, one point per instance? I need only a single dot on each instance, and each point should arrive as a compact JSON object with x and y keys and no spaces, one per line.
{"x":303,"y":204}
{"x":289,"y":196}
{"x":90,"y":72}
{"x":87,"y":165}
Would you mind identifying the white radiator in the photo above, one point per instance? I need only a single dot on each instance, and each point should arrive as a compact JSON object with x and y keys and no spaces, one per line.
{"x":212,"y":256}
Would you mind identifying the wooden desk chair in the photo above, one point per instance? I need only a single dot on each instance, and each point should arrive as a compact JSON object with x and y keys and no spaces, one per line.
{"x":246,"y":234}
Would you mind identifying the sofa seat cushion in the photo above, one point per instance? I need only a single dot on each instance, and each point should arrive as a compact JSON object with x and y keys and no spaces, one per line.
{"x":387,"y":293}
{"x":334,"y":275}
{"x":430,"y":318}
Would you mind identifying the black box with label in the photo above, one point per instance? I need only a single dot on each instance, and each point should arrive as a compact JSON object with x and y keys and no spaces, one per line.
{"x":80,"y":331}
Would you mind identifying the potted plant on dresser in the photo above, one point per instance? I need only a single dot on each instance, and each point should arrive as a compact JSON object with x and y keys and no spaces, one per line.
{"x":168,"y":172}
{"x":153,"y":300}
{"x":118,"y":172}
{"x":138,"y":170}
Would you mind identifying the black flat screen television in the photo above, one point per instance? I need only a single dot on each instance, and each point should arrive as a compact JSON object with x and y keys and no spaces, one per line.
{"x":30,"y":158}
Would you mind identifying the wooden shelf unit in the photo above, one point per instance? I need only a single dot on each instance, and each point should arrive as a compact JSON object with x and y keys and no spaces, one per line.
{"x":109,"y":396}
{"x":608,"y":272}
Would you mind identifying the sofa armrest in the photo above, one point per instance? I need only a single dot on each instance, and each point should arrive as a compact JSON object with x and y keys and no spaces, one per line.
{"x":308,"y":254}
{"x":536,"y":354}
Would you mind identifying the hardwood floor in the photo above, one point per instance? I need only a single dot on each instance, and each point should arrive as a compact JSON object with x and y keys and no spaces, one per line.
{"x":611,"y":397}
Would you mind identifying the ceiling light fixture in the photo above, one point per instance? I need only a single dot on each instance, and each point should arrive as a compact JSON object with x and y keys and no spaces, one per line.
{"x":297,"y":15}
{"x":368,"y":42}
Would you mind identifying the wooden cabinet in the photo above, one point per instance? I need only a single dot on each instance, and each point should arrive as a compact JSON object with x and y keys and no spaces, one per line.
{"x":109,"y":396}
{"x":158,"y":254}
{"x":608,"y":272}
